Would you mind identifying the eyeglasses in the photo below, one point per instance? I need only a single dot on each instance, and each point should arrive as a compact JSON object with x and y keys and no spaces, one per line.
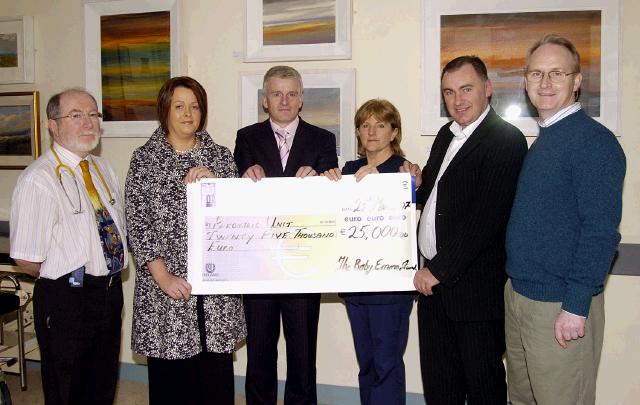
{"x":555,"y":76}
{"x":79,"y":116}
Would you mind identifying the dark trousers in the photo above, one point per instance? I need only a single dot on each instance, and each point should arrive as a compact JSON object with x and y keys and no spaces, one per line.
{"x":460,"y":360}
{"x":78,"y":331}
{"x":300,"y":313}
{"x":380,"y":334}
{"x":206,"y":378}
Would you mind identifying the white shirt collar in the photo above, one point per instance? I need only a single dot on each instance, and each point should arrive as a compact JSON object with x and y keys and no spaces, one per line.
{"x":565,"y":112}
{"x":459,"y":132}
{"x":290,"y":129}
{"x":68,"y":156}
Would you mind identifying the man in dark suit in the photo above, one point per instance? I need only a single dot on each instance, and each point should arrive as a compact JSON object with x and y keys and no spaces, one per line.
{"x":467,"y":190}
{"x":282,"y":146}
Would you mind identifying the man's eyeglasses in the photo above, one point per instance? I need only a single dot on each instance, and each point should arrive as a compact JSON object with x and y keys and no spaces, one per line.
{"x":79,"y":116}
{"x":555,"y":76}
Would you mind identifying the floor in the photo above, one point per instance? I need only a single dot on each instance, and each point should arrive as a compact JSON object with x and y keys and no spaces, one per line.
{"x":129,"y":393}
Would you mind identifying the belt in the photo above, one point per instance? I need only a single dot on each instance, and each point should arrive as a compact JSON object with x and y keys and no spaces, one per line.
{"x":89,"y":281}
{"x":102,"y":281}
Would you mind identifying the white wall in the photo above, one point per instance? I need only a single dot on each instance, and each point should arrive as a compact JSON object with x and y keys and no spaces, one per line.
{"x":387,"y":59}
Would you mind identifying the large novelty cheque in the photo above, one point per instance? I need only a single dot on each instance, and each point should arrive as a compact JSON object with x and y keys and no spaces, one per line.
{"x":292,"y":235}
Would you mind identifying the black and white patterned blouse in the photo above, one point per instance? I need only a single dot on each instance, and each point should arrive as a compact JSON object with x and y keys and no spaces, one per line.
{"x":156,"y":206}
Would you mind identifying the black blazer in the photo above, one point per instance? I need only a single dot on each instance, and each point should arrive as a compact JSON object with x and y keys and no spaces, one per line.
{"x":312,"y":146}
{"x":475,"y":195}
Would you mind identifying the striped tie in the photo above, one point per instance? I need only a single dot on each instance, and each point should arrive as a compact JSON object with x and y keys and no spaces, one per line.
{"x":283,"y":147}
{"x":109,"y":236}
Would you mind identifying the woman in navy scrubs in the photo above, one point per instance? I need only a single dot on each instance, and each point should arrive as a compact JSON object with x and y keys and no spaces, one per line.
{"x":379,"y":321}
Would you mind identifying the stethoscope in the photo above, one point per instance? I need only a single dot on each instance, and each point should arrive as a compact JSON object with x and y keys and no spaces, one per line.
{"x":61,"y":166}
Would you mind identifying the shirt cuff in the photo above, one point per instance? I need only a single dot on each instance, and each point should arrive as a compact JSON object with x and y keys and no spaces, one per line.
{"x":583,"y":317}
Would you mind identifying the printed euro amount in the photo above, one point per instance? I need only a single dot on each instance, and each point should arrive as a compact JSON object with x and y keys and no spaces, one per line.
{"x":380,"y":231}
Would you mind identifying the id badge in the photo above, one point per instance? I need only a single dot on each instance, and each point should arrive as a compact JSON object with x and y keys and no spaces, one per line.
{"x":76,"y":279}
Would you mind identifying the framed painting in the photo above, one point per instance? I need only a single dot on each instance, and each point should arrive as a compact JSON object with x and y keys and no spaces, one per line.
{"x":19,"y":129}
{"x":329,"y":103}
{"x":132,"y":48}
{"x":16,"y":50}
{"x":501,"y":40}
{"x":282,"y":30}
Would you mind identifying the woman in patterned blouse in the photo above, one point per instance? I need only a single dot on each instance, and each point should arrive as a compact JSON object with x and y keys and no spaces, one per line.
{"x":188,"y":340}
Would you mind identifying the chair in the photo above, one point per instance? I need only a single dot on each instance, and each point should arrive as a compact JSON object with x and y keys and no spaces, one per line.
{"x":10,"y":302}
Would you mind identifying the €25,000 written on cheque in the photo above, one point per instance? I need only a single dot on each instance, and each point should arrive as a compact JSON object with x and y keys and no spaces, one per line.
{"x":292,"y":235}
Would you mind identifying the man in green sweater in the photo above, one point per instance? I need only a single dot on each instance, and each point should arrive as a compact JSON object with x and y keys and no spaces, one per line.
{"x":561,"y":238}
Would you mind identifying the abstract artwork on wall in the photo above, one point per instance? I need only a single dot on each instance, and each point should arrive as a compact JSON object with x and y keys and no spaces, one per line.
{"x":286,"y":22}
{"x":501,"y":39}
{"x":329,"y":102}
{"x":132,"y":47}
{"x":135,"y":62}
{"x":19,"y":129}
{"x":277,"y":30}
{"x":16,"y":50}
{"x":8,"y":50}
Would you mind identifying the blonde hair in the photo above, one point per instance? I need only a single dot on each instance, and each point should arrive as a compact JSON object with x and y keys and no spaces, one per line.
{"x":384,"y":111}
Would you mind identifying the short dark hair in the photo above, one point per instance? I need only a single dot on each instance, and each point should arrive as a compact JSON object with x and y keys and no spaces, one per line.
{"x":53,"y":105}
{"x":384,"y":111}
{"x":475,"y":62}
{"x":166,"y":92}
